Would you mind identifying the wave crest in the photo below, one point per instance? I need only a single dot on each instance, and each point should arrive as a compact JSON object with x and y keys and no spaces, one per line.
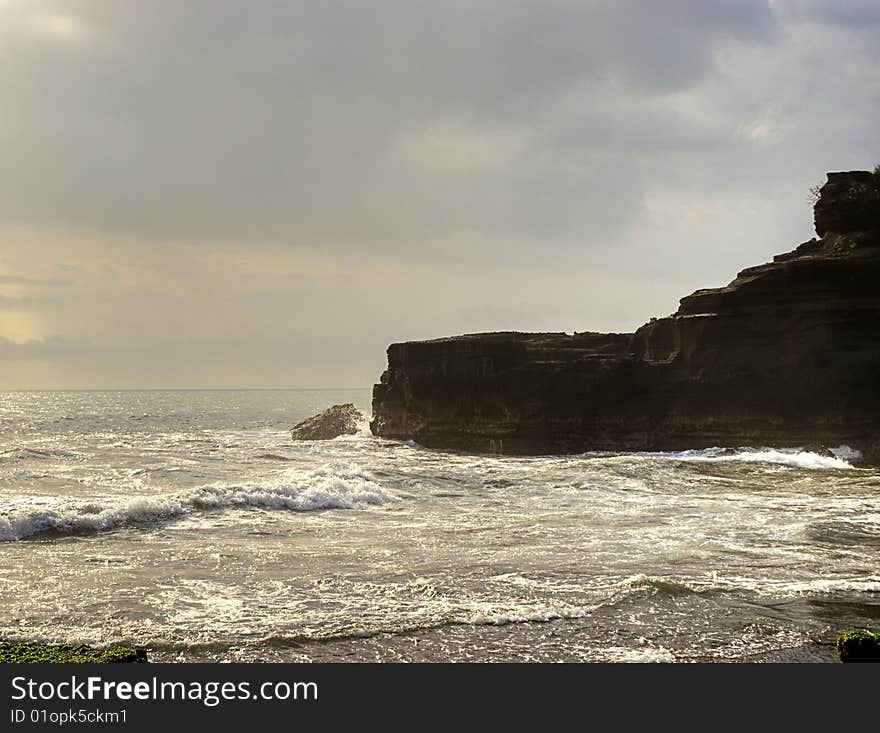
{"x":793,"y":458}
{"x":27,"y":453}
{"x":326,"y":488}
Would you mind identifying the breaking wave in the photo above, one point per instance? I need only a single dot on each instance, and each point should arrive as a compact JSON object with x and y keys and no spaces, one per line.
{"x":801,"y":459}
{"x":666,"y":586}
{"x":24,"y":453}
{"x":326,"y":488}
{"x":792,"y":458}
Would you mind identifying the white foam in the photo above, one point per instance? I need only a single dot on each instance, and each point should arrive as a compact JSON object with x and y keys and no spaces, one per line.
{"x":732,"y":583}
{"x":801,"y":459}
{"x":23,"y":522}
{"x":793,"y":458}
{"x":645,"y":655}
{"x":833,"y":585}
{"x":846,"y":453}
{"x":528,"y":615}
{"x":29,"y":453}
{"x":327,"y":488}
{"x":640,"y":582}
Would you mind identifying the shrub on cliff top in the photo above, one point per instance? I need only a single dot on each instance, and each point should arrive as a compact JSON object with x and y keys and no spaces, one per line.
{"x":815,"y":192}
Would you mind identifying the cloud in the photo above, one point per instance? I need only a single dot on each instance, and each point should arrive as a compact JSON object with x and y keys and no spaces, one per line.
{"x":26,"y":302}
{"x":857,"y":14}
{"x":32,"y":281}
{"x":48,"y":349}
{"x":270,"y":193}
{"x":346,"y":124}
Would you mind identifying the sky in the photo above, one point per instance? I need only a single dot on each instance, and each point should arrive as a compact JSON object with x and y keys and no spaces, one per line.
{"x":229,"y":194}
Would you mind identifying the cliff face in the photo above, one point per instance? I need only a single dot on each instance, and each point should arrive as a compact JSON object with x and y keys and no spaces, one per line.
{"x":786,"y":355}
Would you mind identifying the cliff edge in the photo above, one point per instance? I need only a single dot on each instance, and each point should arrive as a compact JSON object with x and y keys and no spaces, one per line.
{"x":786,"y":355}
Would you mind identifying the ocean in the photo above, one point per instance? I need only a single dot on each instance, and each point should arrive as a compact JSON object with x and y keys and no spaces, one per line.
{"x":188,"y":522}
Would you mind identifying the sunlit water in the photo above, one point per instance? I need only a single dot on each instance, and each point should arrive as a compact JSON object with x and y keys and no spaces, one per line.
{"x":188,"y":522}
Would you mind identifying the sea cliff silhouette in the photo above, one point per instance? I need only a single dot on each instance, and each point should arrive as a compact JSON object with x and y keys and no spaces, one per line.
{"x":786,"y":355}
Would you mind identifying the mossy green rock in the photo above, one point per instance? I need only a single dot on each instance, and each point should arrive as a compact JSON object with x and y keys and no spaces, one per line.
{"x":858,"y":645}
{"x":34,"y":653}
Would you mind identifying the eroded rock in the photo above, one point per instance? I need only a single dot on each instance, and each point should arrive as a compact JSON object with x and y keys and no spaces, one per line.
{"x":333,"y":422}
{"x":786,"y":355}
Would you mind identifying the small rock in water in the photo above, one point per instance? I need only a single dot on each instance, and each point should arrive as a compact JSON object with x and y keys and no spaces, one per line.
{"x":858,"y":645}
{"x":333,"y":422}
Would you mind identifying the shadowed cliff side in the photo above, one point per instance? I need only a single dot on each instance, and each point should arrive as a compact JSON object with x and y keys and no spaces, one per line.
{"x":786,"y":355}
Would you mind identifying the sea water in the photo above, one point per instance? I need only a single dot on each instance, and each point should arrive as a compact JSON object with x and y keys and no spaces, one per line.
{"x":189,"y":522}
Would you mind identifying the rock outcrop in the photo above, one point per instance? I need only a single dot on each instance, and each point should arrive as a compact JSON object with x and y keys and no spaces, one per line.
{"x":858,"y":645}
{"x":32,"y":652}
{"x":333,"y":422}
{"x":786,"y":355}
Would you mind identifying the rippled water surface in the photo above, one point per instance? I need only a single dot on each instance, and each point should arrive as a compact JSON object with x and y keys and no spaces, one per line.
{"x":188,"y":522}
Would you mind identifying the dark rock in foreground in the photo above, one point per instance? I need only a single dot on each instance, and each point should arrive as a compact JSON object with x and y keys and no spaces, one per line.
{"x":858,"y":645}
{"x":333,"y":422}
{"x":12,"y":652}
{"x":786,"y":355}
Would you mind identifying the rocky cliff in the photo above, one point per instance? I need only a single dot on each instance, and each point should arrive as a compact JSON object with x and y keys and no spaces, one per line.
{"x":788,"y":354}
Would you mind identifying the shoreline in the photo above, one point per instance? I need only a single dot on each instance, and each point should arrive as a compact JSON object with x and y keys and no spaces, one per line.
{"x":851,"y":645}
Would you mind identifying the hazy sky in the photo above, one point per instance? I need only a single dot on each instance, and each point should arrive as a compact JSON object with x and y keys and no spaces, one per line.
{"x":222,"y":193}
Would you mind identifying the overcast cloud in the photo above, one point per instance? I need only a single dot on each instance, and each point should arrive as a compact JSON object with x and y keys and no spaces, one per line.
{"x":221,"y":193}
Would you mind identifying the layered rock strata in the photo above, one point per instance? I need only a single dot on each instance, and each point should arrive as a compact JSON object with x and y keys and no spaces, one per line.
{"x":786,"y":355}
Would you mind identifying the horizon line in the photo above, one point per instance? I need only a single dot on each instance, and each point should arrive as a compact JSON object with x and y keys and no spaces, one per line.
{"x":188,"y":389}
